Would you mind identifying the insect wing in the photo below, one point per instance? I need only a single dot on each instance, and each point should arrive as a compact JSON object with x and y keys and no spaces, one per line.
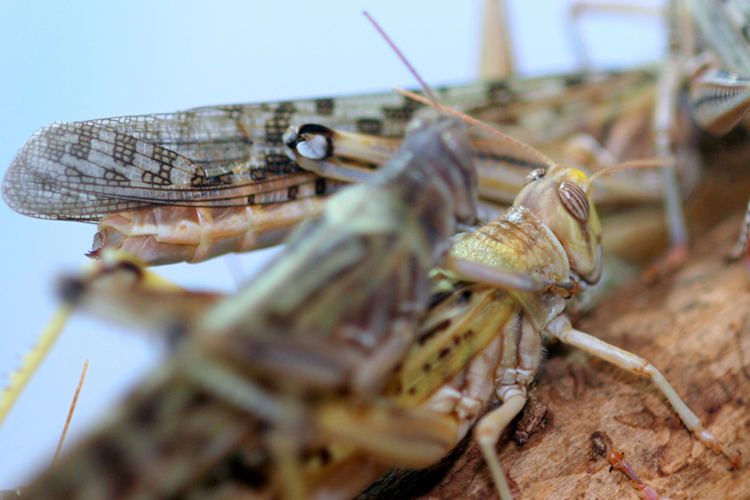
{"x":82,"y":170}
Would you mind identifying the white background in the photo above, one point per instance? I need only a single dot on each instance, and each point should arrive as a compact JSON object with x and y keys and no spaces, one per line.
{"x":80,"y":60}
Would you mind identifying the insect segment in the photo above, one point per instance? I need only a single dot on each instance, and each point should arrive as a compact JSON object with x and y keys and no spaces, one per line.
{"x":719,"y":85}
{"x":324,"y":323}
{"x":191,"y":185}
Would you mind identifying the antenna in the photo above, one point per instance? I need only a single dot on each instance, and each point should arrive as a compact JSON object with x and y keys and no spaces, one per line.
{"x":488,"y":128}
{"x":644,"y":163}
{"x":404,"y":60}
{"x":431,"y":100}
{"x":72,"y":409}
{"x":435,"y":104}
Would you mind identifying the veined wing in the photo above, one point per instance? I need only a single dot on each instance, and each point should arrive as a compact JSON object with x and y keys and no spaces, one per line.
{"x":223,"y":156}
{"x":83,"y":170}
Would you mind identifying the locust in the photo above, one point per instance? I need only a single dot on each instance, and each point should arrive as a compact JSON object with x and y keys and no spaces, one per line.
{"x":539,"y":106}
{"x":192,"y":185}
{"x":715,"y":43}
{"x":206,"y":184}
{"x":479,"y":342}
{"x":476,"y":343}
{"x":286,"y":344}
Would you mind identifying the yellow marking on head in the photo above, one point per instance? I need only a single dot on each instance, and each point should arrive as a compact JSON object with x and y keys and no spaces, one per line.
{"x":577,"y":176}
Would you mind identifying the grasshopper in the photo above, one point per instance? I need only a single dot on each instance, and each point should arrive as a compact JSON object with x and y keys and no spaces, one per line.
{"x":715,"y":42}
{"x":476,"y":343}
{"x":514,"y":97}
{"x":191,"y":185}
{"x":311,"y":346}
{"x":305,"y":345}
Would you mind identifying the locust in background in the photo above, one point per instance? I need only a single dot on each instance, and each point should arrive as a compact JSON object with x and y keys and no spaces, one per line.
{"x":702,"y":91}
{"x":711,"y":37}
{"x":236,"y":189}
{"x":191,"y":185}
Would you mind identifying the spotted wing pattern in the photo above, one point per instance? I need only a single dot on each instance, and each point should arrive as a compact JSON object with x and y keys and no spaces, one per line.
{"x":233,"y":155}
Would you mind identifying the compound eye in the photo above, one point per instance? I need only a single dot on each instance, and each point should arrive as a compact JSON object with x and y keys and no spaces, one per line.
{"x":574,"y":200}
{"x":535,"y":175}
